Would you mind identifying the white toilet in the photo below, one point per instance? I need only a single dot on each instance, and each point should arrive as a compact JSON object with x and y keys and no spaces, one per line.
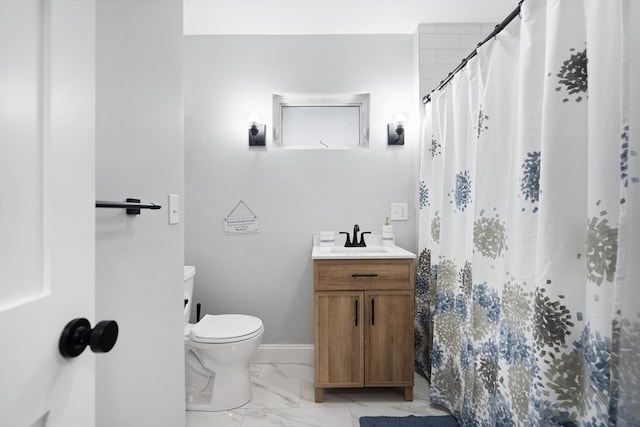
{"x":217,"y":353}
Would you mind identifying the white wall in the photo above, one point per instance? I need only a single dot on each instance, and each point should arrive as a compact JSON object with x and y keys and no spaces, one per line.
{"x":293,"y":193}
{"x":139,"y":259}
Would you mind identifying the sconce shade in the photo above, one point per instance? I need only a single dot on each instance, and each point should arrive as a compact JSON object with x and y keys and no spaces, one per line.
{"x":257,"y":134}
{"x":395,"y":134}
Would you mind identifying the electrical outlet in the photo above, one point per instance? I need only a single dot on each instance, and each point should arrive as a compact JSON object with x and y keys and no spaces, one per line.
{"x":399,"y":212}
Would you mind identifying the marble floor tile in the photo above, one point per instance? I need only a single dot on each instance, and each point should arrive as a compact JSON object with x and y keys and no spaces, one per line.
{"x":298,"y":417}
{"x":274,"y":393}
{"x":284,"y":396}
{"x":331,"y":397}
{"x":231,"y":418}
{"x":352,"y":396}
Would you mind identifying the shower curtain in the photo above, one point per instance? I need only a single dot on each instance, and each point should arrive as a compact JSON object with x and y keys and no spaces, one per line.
{"x":528,"y":278}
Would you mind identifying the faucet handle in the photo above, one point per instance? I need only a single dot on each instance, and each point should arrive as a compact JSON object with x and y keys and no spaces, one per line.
{"x":362,"y":242}
{"x":348,"y":242}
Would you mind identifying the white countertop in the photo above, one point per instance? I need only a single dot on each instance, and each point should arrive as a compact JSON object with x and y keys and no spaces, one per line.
{"x":371,"y":251}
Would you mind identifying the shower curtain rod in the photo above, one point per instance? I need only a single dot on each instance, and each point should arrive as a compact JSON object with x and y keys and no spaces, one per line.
{"x":499,"y":27}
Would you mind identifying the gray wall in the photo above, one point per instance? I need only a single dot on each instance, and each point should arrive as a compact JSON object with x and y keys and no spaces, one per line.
{"x":139,"y":260}
{"x":294,"y":193}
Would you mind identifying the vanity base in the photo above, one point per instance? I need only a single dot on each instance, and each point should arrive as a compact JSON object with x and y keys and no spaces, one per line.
{"x":407,"y":393}
{"x":363,"y":315}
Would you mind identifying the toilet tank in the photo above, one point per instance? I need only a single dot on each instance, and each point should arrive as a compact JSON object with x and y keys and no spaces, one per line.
{"x":189,"y":277}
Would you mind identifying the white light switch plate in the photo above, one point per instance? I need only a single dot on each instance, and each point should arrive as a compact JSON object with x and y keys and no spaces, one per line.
{"x":174,"y":209}
{"x":399,"y":212}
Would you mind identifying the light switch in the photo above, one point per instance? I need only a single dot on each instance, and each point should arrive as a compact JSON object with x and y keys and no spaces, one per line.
{"x":174,"y":209}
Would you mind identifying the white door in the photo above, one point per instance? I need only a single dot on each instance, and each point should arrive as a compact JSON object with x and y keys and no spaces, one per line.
{"x":47,"y":214}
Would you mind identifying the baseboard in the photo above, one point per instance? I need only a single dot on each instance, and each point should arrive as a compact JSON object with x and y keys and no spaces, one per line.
{"x":284,"y":353}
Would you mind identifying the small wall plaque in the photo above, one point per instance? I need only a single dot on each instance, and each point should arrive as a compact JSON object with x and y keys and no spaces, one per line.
{"x":241,"y":224}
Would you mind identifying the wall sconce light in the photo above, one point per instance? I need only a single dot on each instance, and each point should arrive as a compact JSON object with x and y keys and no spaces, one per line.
{"x":257,"y":132}
{"x":395,"y":132}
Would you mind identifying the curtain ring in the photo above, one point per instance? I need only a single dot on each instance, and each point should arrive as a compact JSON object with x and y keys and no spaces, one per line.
{"x":520,"y":8}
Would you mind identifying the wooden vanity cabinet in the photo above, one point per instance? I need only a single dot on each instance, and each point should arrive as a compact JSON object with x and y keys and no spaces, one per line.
{"x":363,"y":316}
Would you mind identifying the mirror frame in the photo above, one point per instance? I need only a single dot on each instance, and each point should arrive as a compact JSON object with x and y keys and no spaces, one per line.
{"x":360,"y":100}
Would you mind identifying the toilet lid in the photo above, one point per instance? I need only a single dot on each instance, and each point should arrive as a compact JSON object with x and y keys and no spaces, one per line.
{"x":225,"y":328}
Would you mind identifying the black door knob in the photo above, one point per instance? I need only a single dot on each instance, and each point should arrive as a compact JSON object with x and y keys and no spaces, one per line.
{"x":78,"y":334}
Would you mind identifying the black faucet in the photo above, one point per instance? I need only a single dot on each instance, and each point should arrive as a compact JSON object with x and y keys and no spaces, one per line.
{"x":355,"y":244}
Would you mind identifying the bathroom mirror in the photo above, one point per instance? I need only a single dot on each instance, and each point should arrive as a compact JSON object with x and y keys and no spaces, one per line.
{"x":321,"y":121}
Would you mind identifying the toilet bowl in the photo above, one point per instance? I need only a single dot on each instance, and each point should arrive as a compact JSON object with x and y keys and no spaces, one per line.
{"x":217,"y":353}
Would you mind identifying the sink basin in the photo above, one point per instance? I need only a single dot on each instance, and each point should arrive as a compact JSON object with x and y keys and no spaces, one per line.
{"x":365,"y":250}
{"x":374,"y":250}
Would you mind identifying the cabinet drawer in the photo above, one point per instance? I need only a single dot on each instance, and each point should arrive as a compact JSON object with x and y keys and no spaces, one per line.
{"x":363,"y":274}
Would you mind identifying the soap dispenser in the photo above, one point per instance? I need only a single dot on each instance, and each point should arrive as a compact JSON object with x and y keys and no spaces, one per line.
{"x":388,"y":239}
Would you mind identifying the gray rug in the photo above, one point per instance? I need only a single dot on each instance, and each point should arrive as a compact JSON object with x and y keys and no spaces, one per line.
{"x":410,"y":421}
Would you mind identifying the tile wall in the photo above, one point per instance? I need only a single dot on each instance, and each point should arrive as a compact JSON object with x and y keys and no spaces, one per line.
{"x":442,"y":48}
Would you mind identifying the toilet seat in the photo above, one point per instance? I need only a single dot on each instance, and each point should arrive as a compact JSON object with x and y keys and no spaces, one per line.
{"x":226,"y":328}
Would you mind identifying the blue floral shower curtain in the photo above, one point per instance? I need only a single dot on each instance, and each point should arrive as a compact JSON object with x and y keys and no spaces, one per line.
{"x":528,"y":287}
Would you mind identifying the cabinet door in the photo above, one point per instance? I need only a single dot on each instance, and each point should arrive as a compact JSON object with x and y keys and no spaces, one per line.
{"x":339,"y":339}
{"x":389,"y":338}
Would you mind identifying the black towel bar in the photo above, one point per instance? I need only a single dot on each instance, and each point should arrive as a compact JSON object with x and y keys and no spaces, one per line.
{"x":132,"y":206}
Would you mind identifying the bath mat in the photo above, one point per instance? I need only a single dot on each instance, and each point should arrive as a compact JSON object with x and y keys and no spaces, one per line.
{"x":410,"y":421}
